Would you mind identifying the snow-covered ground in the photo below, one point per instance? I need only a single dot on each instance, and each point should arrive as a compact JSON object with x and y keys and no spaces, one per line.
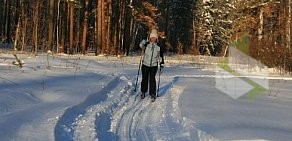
{"x":82,"y":98}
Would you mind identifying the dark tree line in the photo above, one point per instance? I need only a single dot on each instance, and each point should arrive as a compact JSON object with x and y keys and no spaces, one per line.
{"x":94,"y":26}
{"x":110,"y":27}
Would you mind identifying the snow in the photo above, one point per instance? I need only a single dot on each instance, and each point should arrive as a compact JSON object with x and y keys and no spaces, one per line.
{"x":91,"y":98}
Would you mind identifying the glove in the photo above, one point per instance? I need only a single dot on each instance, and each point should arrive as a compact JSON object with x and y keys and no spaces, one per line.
{"x":142,"y":43}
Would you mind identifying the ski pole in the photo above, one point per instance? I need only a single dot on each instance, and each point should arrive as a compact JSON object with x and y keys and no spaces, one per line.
{"x":158,"y":81}
{"x":138,"y":73}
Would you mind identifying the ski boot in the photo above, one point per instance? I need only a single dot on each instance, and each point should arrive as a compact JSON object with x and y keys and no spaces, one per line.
{"x":153,"y":97}
{"x":142,"y":95}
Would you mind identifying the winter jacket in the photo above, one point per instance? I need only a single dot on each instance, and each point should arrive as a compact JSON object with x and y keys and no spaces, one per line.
{"x":151,"y":54}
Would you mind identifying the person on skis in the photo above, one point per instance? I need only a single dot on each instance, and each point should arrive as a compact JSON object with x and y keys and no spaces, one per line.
{"x":153,"y":56}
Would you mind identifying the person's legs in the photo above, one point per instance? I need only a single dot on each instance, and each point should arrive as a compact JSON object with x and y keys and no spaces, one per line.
{"x":145,"y":78}
{"x":152,"y":82}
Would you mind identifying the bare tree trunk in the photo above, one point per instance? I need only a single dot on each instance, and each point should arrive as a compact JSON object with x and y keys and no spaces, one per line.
{"x":7,"y":27}
{"x":17,"y":34}
{"x":85,"y":27}
{"x":5,"y":15}
{"x":104,"y":28}
{"x":134,"y":35}
{"x":2,"y":18}
{"x":108,"y":44}
{"x":35,"y":29}
{"x":51,"y":26}
{"x":23,"y":44}
{"x":127,"y":29}
{"x":288,"y":27}
{"x":71,"y":7}
{"x":116,"y":33}
{"x":194,"y":45}
{"x":121,"y":27}
{"x":63,"y":24}
{"x":77,"y":29}
{"x":58,"y":26}
{"x":99,"y":26}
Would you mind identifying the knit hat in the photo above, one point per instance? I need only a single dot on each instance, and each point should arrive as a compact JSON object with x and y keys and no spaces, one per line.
{"x":154,"y":33}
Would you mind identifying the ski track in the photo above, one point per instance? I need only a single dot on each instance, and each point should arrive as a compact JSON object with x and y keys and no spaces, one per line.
{"x":121,"y":115}
{"x":70,"y":125}
{"x":142,"y":120}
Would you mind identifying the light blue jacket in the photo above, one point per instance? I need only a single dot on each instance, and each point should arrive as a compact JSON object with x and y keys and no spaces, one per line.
{"x":151,"y":54}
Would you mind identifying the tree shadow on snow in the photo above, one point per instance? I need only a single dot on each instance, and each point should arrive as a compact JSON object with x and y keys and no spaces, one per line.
{"x":165,"y":88}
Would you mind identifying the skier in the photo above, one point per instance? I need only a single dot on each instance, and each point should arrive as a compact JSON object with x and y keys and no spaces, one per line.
{"x":152,"y":56}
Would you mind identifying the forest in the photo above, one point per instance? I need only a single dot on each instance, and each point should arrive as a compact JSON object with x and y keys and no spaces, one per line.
{"x":259,"y":28}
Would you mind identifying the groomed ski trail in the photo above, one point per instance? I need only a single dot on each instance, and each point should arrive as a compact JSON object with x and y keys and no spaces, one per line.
{"x":143,"y":120}
{"x":121,"y":115}
{"x":89,"y":120}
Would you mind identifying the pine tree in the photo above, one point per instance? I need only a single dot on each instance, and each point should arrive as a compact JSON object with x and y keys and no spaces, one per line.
{"x":213,"y":25}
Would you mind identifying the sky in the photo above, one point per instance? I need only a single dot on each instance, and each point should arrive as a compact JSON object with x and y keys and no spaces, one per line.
{"x":89,"y":98}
